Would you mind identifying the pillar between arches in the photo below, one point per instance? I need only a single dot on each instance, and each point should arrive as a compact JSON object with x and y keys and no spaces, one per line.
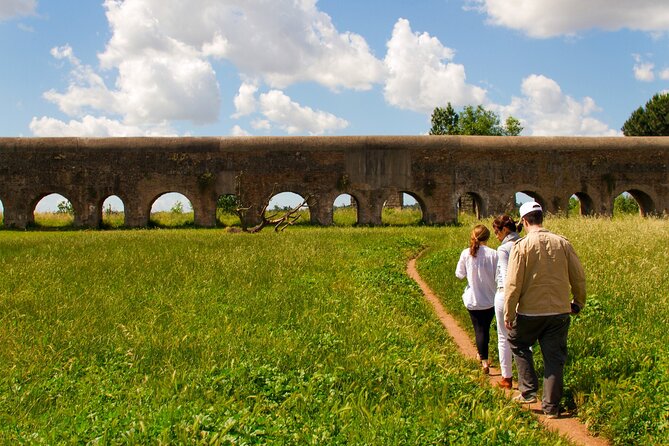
{"x":135,"y":210}
{"x":435,"y":212}
{"x":320,"y":211}
{"x":86,"y":214}
{"x":370,"y":206}
{"x":253,"y":199}
{"x":204,"y":210}
{"x":17,"y":213}
{"x":501,"y":204}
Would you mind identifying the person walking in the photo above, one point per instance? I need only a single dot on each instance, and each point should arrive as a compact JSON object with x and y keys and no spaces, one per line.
{"x":506,"y":232}
{"x":543,"y":271}
{"x":478,"y":264}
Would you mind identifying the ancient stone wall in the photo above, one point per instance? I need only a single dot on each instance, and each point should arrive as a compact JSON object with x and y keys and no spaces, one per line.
{"x":438,"y":171}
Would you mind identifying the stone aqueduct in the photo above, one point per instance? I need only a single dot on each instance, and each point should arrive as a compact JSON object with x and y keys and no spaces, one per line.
{"x":435,"y":170}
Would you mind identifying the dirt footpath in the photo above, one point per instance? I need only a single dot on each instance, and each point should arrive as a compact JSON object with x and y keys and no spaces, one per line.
{"x":567,"y":425}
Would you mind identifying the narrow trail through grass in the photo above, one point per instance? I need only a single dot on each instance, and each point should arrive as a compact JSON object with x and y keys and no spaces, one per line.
{"x":566,"y":426}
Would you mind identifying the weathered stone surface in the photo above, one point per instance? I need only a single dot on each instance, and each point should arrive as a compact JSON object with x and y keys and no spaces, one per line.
{"x":436,"y":170}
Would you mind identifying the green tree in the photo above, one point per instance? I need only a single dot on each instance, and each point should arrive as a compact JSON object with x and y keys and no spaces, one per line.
{"x":65,"y":207}
{"x":177,"y":208}
{"x":651,"y":120}
{"x":512,"y":127}
{"x":444,"y":121}
{"x":574,"y":206}
{"x":625,"y":204}
{"x":227,"y":204}
{"x":472,"y":121}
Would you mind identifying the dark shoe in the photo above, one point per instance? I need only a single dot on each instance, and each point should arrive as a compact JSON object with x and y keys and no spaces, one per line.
{"x":505,"y":383}
{"x":552,"y":416}
{"x":486,"y":370}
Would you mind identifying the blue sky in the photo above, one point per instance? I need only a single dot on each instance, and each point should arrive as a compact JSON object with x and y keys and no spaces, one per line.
{"x":328,"y":67}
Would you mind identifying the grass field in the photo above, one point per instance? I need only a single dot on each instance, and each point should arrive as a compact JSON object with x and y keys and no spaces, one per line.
{"x":310,"y":336}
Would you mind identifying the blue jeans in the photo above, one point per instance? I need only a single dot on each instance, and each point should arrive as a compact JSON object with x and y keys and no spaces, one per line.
{"x":551,"y":333}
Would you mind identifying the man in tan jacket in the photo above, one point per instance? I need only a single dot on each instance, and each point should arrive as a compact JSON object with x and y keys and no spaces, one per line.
{"x":543,"y":272}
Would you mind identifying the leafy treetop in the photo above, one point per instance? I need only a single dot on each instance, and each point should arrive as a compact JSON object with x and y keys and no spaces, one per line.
{"x":651,"y":120}
{"x":472,"y":121}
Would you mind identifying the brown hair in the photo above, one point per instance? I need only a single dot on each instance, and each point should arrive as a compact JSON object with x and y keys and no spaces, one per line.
{"x":504,"y":221}
{"x":479,"y":234}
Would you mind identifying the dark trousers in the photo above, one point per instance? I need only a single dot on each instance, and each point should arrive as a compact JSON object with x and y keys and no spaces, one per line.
{"x":481,"y":320}
{"x":551,"y":332}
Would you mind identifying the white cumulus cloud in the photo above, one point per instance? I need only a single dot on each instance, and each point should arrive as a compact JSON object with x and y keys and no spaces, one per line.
{"x":238,"y":131}
{"x":245,"y":101}
{"x":281,"y":42}
{"x":161,"y":54}
{"x":421,"y":75}
{"x":550,"y":18}
{"x":160,"y":77}
{"x":544,"y":110}
{"x":294,"y":118}
{"x":261,"y":124}
{"x":644,"y":72}
{"x":14,"y":8}
{"x":94,"y":126}
{"x":279,"y":110}
{"x":150,"y":90}
{"x":86,"y":90}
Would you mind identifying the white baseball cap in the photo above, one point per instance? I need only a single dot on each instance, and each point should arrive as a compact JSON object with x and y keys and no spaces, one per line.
{"x":528,"y":207}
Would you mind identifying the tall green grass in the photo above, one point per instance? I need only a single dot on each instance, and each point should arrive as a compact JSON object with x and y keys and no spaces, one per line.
{"x":617,"y":376}
{"x":113,"y":219}
{"x":310,"y":336}
{"x":53,"y":219}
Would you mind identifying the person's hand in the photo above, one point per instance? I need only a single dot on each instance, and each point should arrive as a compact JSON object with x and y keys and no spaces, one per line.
{"x":575,"y":309}
{"x":508,"y":325}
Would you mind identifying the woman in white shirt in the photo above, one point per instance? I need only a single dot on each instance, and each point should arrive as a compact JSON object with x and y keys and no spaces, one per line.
{"x":478,"y":265}
{"x":506,"y":232}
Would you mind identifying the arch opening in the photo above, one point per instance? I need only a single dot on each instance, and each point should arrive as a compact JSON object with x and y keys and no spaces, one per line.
{"x":523,"y":196}
{"x":226,"y":215}
{"x":171,"y":210}
{"x":470,"y":204}
{"x":345,"y":210}
{"x":289,"y":202}
{"x":53,"y":211}
{"x":633,"y":202}
{"x":581,"y":204}
{"x":2,"y":215}
{"x":402,"y":209}
{"x":113,"y":213}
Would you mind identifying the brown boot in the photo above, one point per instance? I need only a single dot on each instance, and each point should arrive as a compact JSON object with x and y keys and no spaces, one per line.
{"x":505,"y":383}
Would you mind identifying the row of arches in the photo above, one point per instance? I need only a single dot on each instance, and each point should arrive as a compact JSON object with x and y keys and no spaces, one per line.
{"x":631,"y":201}
{"x":174,"y":209}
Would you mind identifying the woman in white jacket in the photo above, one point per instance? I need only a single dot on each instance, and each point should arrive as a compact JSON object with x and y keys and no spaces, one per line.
{"x":506,"y":232}
{"x":478,"y":264}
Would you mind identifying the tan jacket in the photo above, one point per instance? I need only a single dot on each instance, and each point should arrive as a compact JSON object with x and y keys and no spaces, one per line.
{"x":543,"y":271}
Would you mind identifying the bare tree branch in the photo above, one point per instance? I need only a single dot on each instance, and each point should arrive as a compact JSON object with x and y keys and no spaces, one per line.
{"x":280,"y":220}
